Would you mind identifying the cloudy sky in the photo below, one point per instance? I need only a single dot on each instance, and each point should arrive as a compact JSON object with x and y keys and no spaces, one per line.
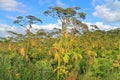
{"x":104,"y":13}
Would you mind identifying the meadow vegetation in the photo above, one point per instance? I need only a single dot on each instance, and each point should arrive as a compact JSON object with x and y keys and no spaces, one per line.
{"x":62,"y":54}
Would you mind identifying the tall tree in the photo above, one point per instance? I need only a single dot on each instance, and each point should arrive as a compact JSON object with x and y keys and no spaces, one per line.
{"x":67,"y":16}
{"x":29,"y":20}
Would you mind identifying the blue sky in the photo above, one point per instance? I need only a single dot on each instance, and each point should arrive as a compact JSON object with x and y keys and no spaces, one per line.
{"x":104,"y":13}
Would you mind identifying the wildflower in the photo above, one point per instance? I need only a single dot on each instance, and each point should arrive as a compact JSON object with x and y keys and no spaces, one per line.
{"x":118,"y":57}
{"x":22,"y":51}
{"x":56,"y":56}
{"x":62,"y":50}
{"x":33,"y":43}
{"x":65,"y":35}
{"x":27,"y":58}
{"x":116,"y":63}
{"x":66,"y":58}
{"x":91,"y":53}
{"x":17,"y":76}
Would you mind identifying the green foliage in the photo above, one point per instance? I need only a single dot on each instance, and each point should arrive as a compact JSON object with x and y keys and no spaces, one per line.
{"x":60,"y":55}
{"x":88,"y":56}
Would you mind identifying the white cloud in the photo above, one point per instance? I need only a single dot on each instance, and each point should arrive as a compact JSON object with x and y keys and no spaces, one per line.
{"x":47,"y":27}
{"x":101,"y":26}
{"x":93,"y":2}
{"x":60,"y":3}
{"x":4,"y":28}
{"x":10,"y":5}
{"x":11,"y":17}
{"x":100,"y":2}
{"x":109,"y":11}
{"x":50,"y":2}
{"x":43,"y":2}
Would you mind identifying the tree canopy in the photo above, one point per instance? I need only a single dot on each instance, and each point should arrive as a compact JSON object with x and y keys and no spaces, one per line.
{"x":67,"y":16}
